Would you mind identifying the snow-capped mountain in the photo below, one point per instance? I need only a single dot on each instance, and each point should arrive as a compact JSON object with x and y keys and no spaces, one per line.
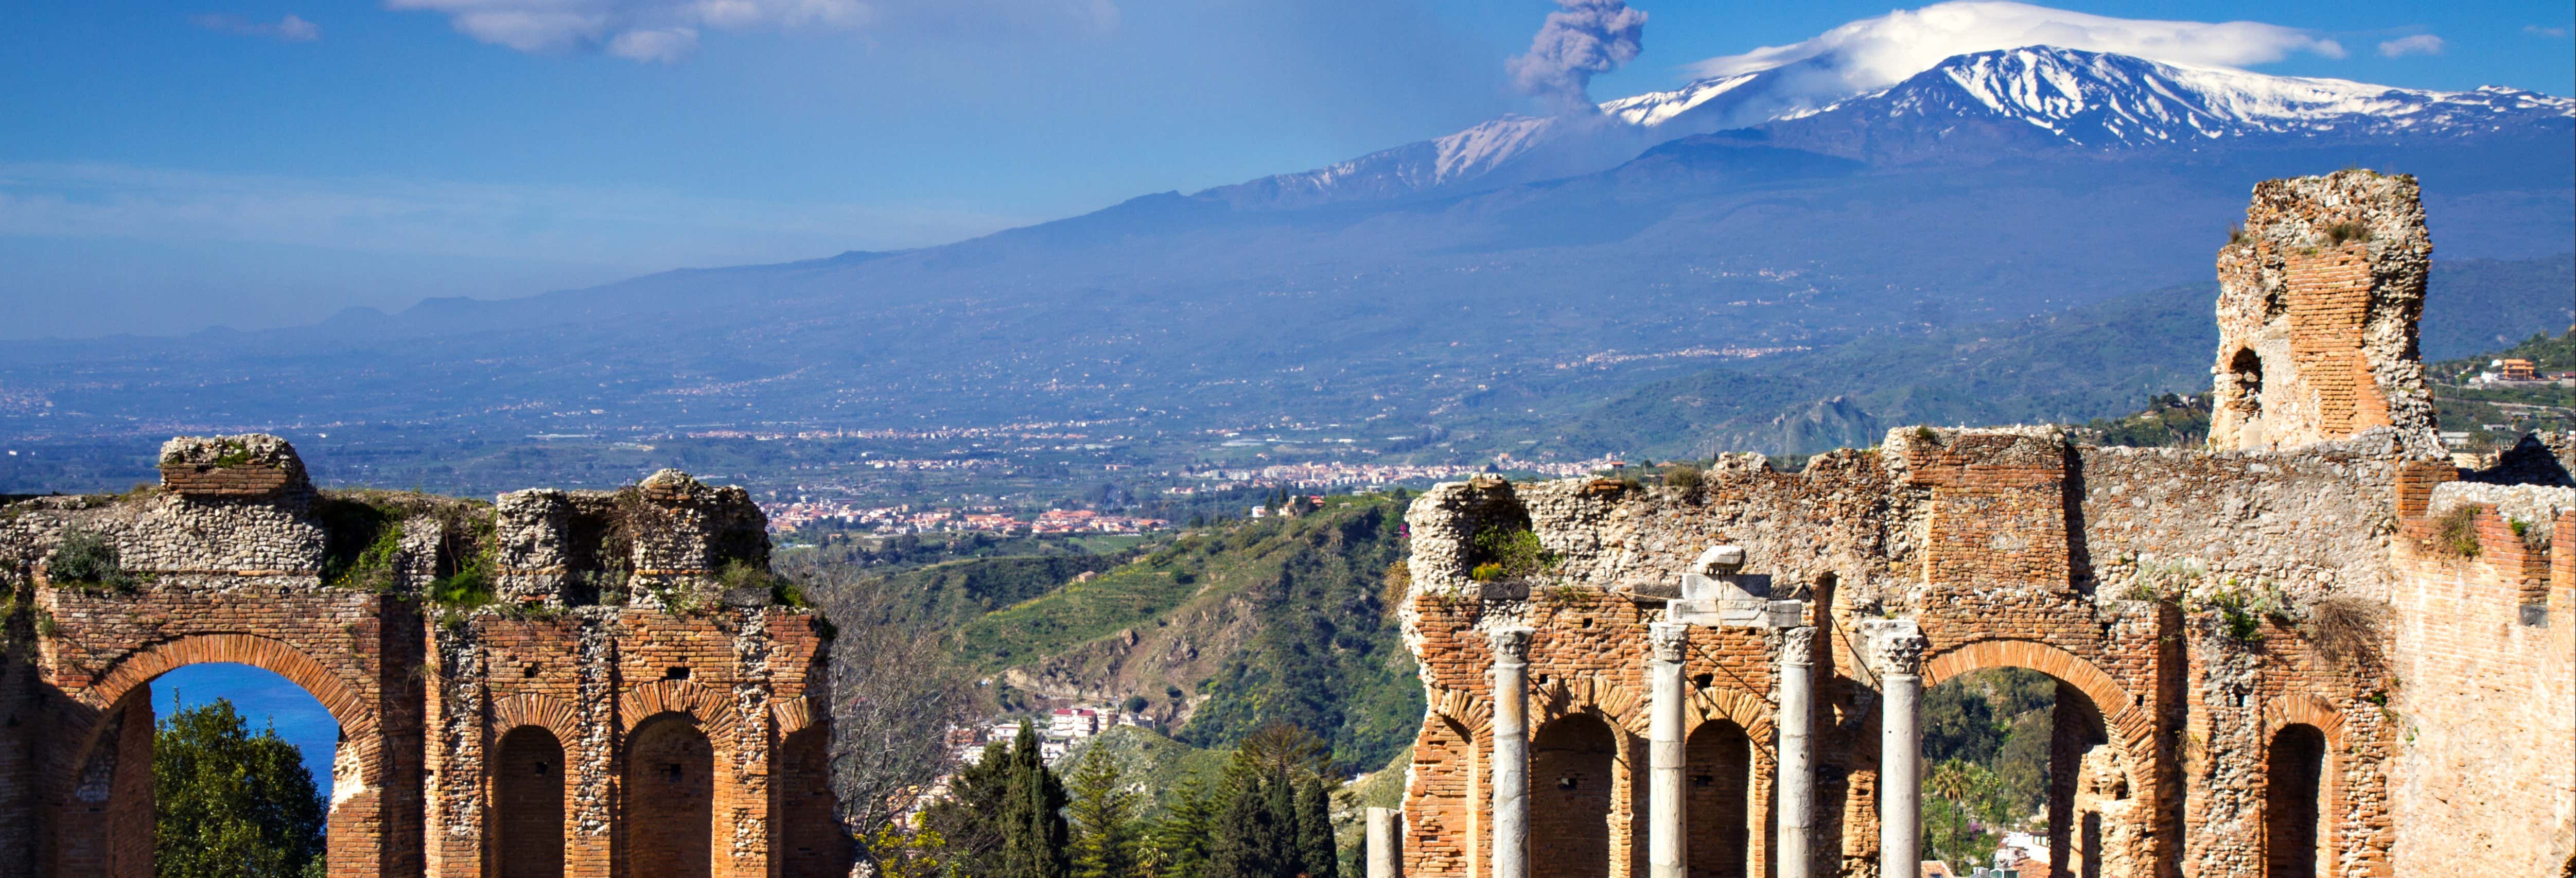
{"x":2045,"y":98}
{"x":2007,"y":101}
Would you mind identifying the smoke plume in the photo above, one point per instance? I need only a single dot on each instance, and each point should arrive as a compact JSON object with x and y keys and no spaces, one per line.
{"x":1583,"y":38}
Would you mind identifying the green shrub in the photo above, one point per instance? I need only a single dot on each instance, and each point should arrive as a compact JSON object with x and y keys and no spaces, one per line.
{"x":2346,"y":231}
{"x":1509,"y":553}
{"x":87,"y":559}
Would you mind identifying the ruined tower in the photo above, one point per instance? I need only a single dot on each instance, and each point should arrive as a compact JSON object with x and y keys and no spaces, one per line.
{"x":2318,"y":298}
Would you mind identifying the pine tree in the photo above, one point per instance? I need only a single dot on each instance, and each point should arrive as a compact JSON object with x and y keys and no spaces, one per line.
{"x":1182,"y":838}
{"x":1315,"y":831}
{"x":1245,"y":842}
{"x":1034,"y":835}
{"x":229,"y":803}
{"x":1103,"y":812}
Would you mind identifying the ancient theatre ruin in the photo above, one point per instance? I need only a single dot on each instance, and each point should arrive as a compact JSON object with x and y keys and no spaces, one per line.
{"x":2318,"y":647}
{"x":616,"y":710}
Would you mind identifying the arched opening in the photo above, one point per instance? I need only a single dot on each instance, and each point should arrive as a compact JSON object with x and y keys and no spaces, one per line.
{"x":1717,"y":799}
{"x":2016,"y":767}
{"x":813,"y":845}
{"x":527,"y":813}
{"x":2294,"y":769}
{"x":670,"y":799}
{"x":2245,"y":384}
{"x":198,"y":753}
{"x":1571,"y":764}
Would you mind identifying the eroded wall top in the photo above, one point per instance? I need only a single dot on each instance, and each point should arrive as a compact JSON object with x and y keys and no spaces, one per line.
{"x":2319,"y":294}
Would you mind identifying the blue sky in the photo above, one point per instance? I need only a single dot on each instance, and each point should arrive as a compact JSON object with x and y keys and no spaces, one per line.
{"x":169,"y":165}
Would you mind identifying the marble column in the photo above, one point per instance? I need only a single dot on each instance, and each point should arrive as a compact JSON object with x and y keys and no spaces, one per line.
{"x":1381,"y":843}
{"x":1511,"y":752}
{"x":1797,"y":781}
{"x":1666,"y":758}
{"x":1899,"y":661}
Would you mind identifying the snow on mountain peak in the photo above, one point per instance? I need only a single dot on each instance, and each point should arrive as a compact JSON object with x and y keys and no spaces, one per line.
{"x":2101,"y":100}
{"x":2086,"y":99}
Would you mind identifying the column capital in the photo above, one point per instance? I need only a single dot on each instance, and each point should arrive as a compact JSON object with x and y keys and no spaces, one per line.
{"x":1893,"y":646}
{"x":1511,"y":645}
{"x":1667,"y":639}
{"x":1798,"y":645}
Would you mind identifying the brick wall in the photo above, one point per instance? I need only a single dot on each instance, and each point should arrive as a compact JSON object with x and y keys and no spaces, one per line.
{"x":2485,"y":666}
{"x":444,"y":725}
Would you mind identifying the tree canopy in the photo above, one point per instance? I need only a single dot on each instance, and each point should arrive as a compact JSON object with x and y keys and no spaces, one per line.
{"x":228,"y":803}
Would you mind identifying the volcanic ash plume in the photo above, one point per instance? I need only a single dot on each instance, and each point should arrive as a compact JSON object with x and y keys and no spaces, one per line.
{"x":1584,"y":38}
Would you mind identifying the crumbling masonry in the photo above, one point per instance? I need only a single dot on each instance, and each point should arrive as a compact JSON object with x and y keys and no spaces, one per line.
{"x":2316,"y":648}
{"x":614,"y":709}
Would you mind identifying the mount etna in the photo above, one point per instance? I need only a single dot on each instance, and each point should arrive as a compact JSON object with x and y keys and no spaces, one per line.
{"x":1499,"y":286}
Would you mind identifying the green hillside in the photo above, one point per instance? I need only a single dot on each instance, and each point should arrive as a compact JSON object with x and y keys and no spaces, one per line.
{"x":1222,"y":629}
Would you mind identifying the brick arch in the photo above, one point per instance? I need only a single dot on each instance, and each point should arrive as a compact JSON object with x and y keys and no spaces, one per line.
{"x":1601,"y":696}
{"x":2129,"y":726}
{"x":547,"y":712}
{"x":131,"y":671}
{"x":1473,"y":715}
{"x":713,"y":709}
{"x":793,"y":715}
{"x":2303,"y":709}
{"x":1747,"y":710}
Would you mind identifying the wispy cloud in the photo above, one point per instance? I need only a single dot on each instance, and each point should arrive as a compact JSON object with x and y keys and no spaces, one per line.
{"x":291,"y":28}
{"x":2419,"y":44}
{"x":667,"y":31}
{"x":1878,"y":52}
{"x":638,"y":227}
{"x":2539,"y":31}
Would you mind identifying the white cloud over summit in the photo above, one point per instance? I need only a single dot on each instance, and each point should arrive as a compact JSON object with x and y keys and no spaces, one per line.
{"x":1878,"y":52}
{"x":667,"y":30}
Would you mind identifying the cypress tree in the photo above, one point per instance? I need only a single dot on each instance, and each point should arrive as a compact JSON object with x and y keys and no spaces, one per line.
{"x":1034,"y":835}
{"x":1279,"y":808}
{"x":1247,"y":838}
{"x":1315,"y":831}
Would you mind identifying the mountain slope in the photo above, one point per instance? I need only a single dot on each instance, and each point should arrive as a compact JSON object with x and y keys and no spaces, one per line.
{"x":2024,"y":99}
{"x":2087,"y":362}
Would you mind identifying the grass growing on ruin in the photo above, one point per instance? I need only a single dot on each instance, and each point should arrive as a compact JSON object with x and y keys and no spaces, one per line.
{"x":2455,"y":533}
{"x":2346,"y":630}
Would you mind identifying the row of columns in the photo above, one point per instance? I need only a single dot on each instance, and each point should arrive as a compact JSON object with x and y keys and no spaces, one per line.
{"x":1896,"y":650}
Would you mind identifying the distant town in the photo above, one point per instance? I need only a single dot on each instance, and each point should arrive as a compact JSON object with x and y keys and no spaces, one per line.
{"x":909,"y":518}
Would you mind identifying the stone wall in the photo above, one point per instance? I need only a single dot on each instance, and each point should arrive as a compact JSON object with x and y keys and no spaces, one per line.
{"x":235,"y":557}
{"x":2318,"y":300}
{"x":2302,"y":589}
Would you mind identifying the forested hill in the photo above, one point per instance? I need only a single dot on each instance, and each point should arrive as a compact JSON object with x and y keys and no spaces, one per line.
{"x":1218,"y":631}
